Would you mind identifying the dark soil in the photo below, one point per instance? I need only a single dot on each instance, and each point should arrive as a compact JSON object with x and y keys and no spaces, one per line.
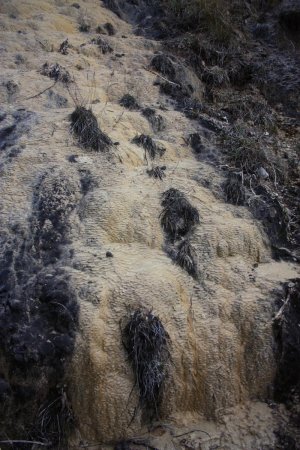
{"x":38,"y":319}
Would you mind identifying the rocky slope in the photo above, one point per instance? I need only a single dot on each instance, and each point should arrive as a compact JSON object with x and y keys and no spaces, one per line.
{"x":83,"y":245}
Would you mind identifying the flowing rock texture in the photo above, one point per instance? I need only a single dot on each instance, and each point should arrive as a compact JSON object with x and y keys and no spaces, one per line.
{"x":83,"y":247}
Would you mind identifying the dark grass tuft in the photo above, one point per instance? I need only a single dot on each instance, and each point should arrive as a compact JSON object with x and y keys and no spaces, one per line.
{"x":129,"y":102}
{"x":193,"y":109}
{"x":174,"y":90}
{"x":54,"y":421}
{"x":156,"y":120}
{"x":195,"y":142}
{"x":100,"y":30}
{"x":84,"y":27}
{"x":56,"y":72}
{"x":185,"y":257}
{"x":215,"y":76}
{"x":85,"y":126}
{"x":249,"y":109}
{"x":147,"y":344}
{"x":103,"y":45}
{"x":234,"y":189}
{"x":195,"y":15}
{"x":244,"y":149}
{"x":164,"y":65}
{"x":151,"y":148}
{"x":84,"y":24}
{"x":178,"y":216}
{"x":64,"y":47}
{"x":110,"y":29}
{"x":157,"y":172}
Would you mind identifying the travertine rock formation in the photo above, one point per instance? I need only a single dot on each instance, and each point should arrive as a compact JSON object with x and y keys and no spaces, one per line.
{"x":63,"y":208}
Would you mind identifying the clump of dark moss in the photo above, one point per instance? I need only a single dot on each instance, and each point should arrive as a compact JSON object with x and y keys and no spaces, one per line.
{"x":103,"y":45}
{"x":185,"y":257}
{"x":147,"y":344}
{"x":164,"y":65}
{"x":152,"y":149}
{"x":85,"y":126}
{"x":129,"y":102}
{"x":157,"y":172}
{"x":156,"y":120}
{"x":56,"y":72}
{"x":234,"y":189}
{"x":178,"y":216}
